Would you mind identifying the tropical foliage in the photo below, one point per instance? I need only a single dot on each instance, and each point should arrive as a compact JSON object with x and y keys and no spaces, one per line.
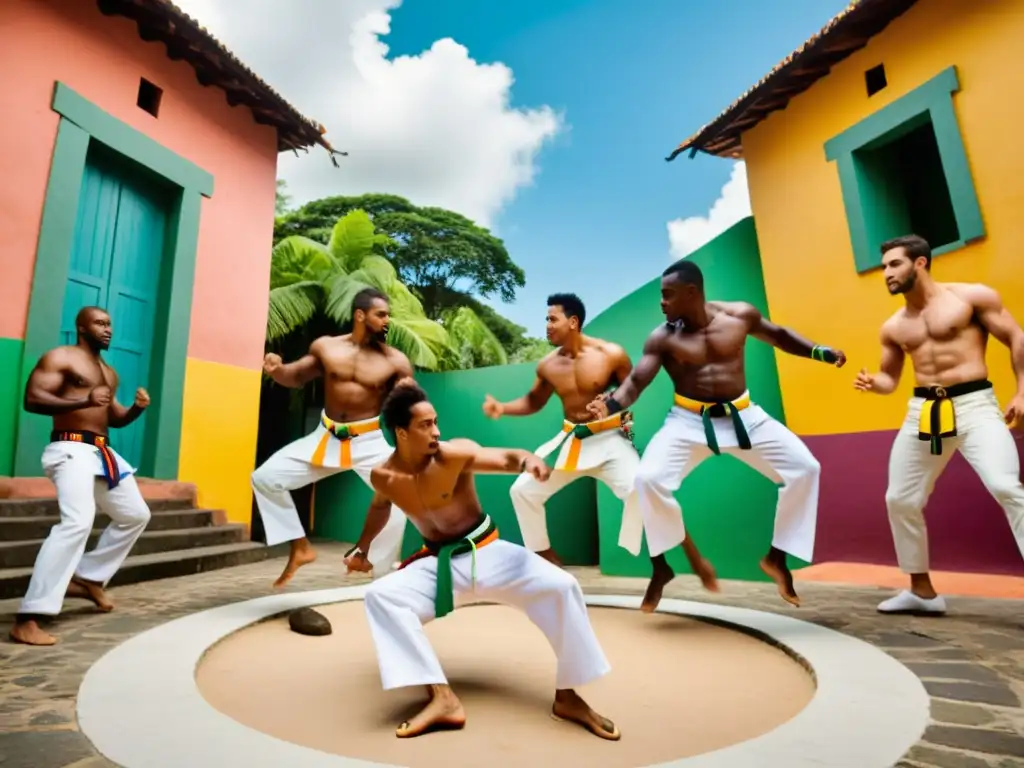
{"x":312,"y":286}
{"x":445,"y":259}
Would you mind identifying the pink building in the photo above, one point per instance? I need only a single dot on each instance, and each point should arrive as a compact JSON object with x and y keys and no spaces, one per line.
{"x":138,"y":159}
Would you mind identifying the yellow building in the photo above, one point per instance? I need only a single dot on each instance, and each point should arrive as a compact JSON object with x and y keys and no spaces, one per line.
{"x":898,"y":117}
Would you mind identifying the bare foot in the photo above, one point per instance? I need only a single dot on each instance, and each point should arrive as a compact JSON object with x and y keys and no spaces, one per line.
{"x":551,"y":557}
{"x":88,"y":590}
{"x":700,"y":565}
{"x":30,"y":633}
{"x":777,"y":569}
{"x":443,"y":712}
{"x":302,"y":553}
{"x":569,"y":706}
{"x":661,"y":576}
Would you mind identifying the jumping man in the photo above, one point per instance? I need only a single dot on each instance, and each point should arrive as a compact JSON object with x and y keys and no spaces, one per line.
{"x":944,"y":328}
{"x":463,"y":560}
{"x":75,"y":386}
{"x":578,"y":371}
{"x":359,"y":370}
{"x":702,"y":348}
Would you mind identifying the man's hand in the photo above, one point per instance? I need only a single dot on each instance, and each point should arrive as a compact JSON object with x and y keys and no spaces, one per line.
{"x":357,"y":563}
{"x":536,"y":467}
{"x":492,"y":408}
{"x":272,"y":363}
{"x":840,"y":357}
{"x":865,"y":381}
{"x":1014,"y":411}
{"x":100,"y":396}
{"x":598,"y":408}
{"x":142,"y":400}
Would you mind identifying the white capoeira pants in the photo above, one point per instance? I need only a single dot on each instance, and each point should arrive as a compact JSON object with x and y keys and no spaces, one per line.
{"x":76,"y":471}
{"x":314,"y":457}
{"x":607,"y":456}
{"x":681,"y":445}
{"x":399,"y":604}
{"x":988,"y":446}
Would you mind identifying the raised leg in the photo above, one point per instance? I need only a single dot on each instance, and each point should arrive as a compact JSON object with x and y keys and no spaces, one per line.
{"x":129,"y":515}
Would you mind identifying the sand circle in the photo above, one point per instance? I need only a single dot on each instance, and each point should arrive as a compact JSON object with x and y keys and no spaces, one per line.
{"x":678,"y":687}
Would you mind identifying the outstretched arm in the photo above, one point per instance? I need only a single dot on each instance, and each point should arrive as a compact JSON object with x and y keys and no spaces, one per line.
{"x":527,"y":405}
{"x":787,"y":340}
{"x":496,"y":461}
{"x":635,"y":382}
{"x":889,"y":370}
{"x":42,"y":393}
{"x":376,"y":518}
{"x":1000,"y":323}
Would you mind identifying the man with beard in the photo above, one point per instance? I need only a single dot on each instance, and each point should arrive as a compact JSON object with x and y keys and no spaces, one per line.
{"x":359,"y":369}
{"x":578,"y":371}
{"x":944,"y":328}
{"x":75,"y":386}
{"x":701,"y":347}
{"x":463,"y":560}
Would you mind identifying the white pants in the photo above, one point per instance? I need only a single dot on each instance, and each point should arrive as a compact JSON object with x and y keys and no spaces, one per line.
{"x":76,"y":471}
{"x":298,"y":464}
{"x":988,"y":446}
{"x":778,"y":454}
{"x":618,"y":462}
{"x":398,"y":605}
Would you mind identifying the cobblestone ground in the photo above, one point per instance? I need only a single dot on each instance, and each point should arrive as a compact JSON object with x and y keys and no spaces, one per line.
{"x":971,"y":661}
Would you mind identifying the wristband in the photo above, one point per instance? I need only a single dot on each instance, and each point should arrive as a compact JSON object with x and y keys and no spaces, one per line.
{"x":613,"y":405}
{"x":823,"y":354}
{"x":355,"y":550}
{"x":522,"y":465}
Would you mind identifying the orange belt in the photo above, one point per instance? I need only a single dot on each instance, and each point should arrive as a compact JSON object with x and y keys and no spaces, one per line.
{"x":343,"y":432}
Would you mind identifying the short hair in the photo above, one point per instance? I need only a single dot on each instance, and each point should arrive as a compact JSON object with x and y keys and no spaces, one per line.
{"x":396,"y":412}
{"x":915,"y":246}
{"x":84,"y":314}
{"x":686,"y":271}
{"x":365,"y":298}
{"x":571,"y":305}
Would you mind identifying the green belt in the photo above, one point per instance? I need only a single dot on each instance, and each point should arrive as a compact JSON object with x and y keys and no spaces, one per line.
{"x":718,"y":410}
{"x":444,"y":601}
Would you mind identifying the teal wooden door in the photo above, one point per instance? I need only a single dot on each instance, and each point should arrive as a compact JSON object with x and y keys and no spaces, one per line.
{"x":120,"y":235}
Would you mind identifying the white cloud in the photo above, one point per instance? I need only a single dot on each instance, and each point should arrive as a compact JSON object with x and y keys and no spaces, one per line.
{"x":687,"y":235}
{"x":436,"y":127}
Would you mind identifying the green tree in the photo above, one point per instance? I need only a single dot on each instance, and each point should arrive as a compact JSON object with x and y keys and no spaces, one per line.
{"x":283,"y":199}
{"x":436,"y":252}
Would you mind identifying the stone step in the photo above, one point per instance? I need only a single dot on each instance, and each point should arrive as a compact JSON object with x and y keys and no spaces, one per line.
{"x":49,"y":508}
{"x":161,"y":565}
{"x":22,"y":554}
{"x":31,"y":527}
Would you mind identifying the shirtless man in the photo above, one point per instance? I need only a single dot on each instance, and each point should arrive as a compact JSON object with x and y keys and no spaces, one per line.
{"x":944,"y":328}
{"x":578,"y":371}
{"x":75,"y":386}
{"x":702,"y":348}
{"x":359,"y":370}
{"x":433,"y":482}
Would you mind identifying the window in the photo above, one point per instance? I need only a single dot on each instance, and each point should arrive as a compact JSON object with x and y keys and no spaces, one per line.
{"x":903,"y":170}
{"x":149,"y":97}
{"x":875,"y":80}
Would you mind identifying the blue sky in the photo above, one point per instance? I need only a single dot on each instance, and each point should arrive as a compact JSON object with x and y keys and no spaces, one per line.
{"x":633,"y":80}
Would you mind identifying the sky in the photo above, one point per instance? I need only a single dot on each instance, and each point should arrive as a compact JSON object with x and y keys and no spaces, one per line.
{"x":547,"y":121}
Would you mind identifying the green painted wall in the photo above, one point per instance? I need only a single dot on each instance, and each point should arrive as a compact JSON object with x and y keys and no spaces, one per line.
{"x":10,"y":400}
{"x":729,"y":508}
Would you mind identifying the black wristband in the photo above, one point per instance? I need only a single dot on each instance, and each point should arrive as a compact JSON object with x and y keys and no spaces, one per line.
{"x":522,"y":465}
{"x":354,"y":549}
{"x":613,"y":405}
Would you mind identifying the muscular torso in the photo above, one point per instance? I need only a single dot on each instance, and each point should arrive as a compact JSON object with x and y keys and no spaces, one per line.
{"x":83,"y":374}
{"x":577,"y":381}
{"x":707,"y":363}
{"x":356,"y":378}
{"x":945,"y":341}
{"x":440,"y":500}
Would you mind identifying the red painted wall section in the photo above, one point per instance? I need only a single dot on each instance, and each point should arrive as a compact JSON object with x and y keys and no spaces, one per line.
{"x":103,"y":58}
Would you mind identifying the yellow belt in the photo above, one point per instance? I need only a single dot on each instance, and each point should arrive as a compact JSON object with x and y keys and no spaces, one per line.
{"x":343,"y":432}
{"x":709,"y":411}
{"x":581,"y":432}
